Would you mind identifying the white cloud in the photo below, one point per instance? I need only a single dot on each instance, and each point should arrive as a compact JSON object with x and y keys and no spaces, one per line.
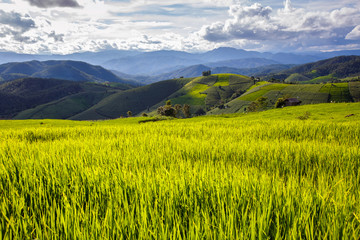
{"x":54,"y":3}
{"x":291,"y":26}
{"x":60,"y":26}
{"x":354,"y":34}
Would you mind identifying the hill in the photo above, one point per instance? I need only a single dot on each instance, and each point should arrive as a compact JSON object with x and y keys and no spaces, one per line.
{"x":306,"y":93}
{"x":333,"y":69}
{"x":22,"y":94}
{"x":66,"y":70}
{"x":135,"y":100}
{"x":205,"y":93}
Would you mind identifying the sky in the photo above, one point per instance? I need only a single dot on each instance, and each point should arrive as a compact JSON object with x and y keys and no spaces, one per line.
{"x":69,"y":26}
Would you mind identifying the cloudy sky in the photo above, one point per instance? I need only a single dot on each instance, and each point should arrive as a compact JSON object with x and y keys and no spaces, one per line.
{"x":67,"y":26}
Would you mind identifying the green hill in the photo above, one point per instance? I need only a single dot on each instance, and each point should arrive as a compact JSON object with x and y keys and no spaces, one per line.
{"x":134,"y":100}
{"x":66,"y":70}
{"x":28,"y":93}
{"x":329,"y":70}
{"x":208,"y":92}
{"x":306,"y":93}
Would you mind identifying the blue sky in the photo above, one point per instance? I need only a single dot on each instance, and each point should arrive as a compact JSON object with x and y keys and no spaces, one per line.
{"x":67,"y":26}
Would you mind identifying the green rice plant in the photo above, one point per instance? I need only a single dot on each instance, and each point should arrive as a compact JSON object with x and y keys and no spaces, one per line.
{"x":243,"y":177}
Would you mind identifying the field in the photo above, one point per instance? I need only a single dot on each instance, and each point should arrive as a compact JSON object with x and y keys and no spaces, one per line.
{"x":266,"y":175}
{"x":306,"y":93}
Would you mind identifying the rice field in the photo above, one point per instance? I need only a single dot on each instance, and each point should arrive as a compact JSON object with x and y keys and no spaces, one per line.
{"x":222,"y":177}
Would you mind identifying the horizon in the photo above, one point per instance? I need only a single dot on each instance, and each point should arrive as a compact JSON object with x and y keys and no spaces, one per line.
{"x":72,"y":26}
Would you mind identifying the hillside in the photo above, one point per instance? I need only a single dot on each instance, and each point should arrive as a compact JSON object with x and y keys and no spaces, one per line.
{"x":306,"y":93}
{"x":329,"y":70}
{"x":205,"y":93}
{"x":135,"y":100}
{"x":27,"y":93}
{"x":66,"y":70}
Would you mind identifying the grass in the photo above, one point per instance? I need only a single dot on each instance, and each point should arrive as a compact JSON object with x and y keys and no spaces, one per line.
{"x":194,"y":96}
{"x":296,"y":77}
{"x":354,"y":88}
{"x":257,"y":85}
{"x":264,"y":175}
{"x":339,"y":92}
{"x":135,"y":100}
{"x":223,"y":80}
{"x":258,"y":92}
{"x":65,"y":107}
{"x":322,"y":79}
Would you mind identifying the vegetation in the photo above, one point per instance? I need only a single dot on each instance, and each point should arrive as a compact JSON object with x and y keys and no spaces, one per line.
{"x":306,"y":93}
{"x":260,"y":104}
{"x":65,"y":70}
{"x":135,"y":100}
{"x":328,"y":70}
{"x":58,"y":95}
{"x":262,"y":175}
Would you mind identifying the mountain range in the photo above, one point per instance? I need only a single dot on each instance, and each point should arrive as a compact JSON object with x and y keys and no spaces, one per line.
{"x":159,"y":62}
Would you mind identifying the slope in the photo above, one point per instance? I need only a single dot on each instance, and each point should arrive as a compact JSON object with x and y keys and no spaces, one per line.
{"x":306,"y":93}
{"x":333,"y":69}
{"x":27,"y":93}
{"x":205,"y":93}
{"x":67,"y":70}
{"x":134,"y":100}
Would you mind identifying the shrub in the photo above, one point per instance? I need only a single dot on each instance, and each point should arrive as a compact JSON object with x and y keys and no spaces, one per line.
{"x":186,"y":110}
{"x":280,"y":103}
{"x":305,"y":116}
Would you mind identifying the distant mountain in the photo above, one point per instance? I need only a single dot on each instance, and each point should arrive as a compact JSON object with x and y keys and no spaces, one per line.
{"x":160,"y":62}
{"x":96,"y":58}
{"x":322,"y":71}
{"x":196,"y":70}
{"x":152,"y":63}
{"x":242,"y":63}
{"x":22,"y":94}
{"x":66,"y":70}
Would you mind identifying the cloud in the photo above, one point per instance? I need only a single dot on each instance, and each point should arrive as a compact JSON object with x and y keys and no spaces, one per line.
{"x":56,"y":37}
{"x":16,"y":20}
{"x":290,"y":25}
{"x":15,"y":25}
{"x":354,"y":34}
{"x":54,"y":3}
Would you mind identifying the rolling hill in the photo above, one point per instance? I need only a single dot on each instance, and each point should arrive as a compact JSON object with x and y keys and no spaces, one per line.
{"x":306,"y":93}
{"x":205,"y":93}
{"x":23,"y":94}
{"x":66,"y":70}
{"x":333,"y":69}
{"x":135,"y":100}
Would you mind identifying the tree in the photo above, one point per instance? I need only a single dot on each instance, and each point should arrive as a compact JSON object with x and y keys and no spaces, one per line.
{"x":259,"y":104}
{"x":280,"y":103}
{"x":186,"y":110}
{"x":167,"y":110}
{"x":177,"y":108}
